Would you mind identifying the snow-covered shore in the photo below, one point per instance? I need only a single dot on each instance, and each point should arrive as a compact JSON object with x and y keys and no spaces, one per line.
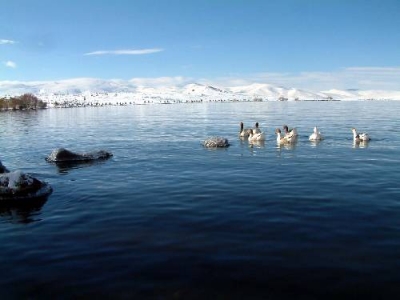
{"x":97,"y":92}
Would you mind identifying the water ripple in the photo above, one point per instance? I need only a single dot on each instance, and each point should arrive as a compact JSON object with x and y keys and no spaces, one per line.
{"x":167,"y":218}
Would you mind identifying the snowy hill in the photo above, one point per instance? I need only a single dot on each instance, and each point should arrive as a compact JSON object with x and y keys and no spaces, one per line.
{"x":276,"y":92}
{"x":67,"y":86}
{"x":91,"y":91}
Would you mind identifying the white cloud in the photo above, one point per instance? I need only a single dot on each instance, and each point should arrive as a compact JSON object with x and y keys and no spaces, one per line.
{"x":5,"y":42}
{"x":375,"y":69}
{"x":126,"y":52}
{"x":10,"y":64}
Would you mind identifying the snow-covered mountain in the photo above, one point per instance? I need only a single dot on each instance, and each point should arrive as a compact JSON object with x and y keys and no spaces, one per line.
{"x":67,"y":86}
{"x":91,"y":90}
{"x":277,"y":92}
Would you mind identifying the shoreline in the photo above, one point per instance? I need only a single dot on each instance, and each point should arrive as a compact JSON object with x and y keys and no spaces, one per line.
{"x":97,"y":103}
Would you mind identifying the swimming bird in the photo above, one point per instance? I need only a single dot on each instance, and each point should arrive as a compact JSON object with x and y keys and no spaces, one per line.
{"x":360,"y":137}
{"x":243,"y":132}
{"x":290,"y":133}
{"x":316,"y":135}
{"x":256,"y":128}
{"x":283,"y":139}
{"x":256,"y":137}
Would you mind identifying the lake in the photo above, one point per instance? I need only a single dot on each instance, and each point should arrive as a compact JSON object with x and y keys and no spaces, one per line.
{"x":166,"y":218}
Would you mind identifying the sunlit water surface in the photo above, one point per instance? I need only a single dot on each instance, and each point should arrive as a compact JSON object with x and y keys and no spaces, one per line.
{"x":165,"y":218}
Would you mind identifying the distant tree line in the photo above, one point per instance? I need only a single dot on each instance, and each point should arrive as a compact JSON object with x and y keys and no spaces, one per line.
{"x":24,"y":102}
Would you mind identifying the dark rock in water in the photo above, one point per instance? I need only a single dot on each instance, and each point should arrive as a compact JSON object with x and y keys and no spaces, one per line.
{"x":64,"y":155}
{"x":3,"y":169}
{"x":17,"y":186}
{"x":216,"y":142}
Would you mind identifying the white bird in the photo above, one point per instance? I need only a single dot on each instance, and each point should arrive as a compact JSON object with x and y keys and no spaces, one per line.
{"x":256,"y":137}
{"x":290,"y":133}
{"x":360,"y":137}
{"x":243,"y":132}
{"x":283,"y":139}
{"x":316,"y":135}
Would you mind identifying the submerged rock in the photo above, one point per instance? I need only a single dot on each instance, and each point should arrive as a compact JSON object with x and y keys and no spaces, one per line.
{"x":64,"y":155}
{"x":3,"y":169}
{"x":216,"y":142}
{"x":19,"y":186}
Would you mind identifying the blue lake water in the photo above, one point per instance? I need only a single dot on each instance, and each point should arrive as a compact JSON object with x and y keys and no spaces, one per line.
{"x":165,"y":218}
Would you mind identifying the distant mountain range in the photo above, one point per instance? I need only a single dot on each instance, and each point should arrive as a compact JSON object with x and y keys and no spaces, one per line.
{"x":192,"y":91}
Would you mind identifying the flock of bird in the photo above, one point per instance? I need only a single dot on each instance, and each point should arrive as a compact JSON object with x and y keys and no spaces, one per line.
{"x":290,"y":135}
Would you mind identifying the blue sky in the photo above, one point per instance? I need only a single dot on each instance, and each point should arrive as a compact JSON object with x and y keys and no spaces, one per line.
{"x":313,"y":44}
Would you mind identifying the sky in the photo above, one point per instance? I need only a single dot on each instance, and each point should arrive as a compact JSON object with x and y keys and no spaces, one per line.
{"x":309,"y":44}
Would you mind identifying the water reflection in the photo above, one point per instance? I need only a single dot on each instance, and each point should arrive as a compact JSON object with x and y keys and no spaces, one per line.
{"x":216,"y":148}
{"x":257,"y":144}
{"x":22,"y":213}
{"x":65,"y":167}
{"x":315,"y":143}
{"x":243,"y":141}
{"x":288,"y":146}
{"x":360,"y":144}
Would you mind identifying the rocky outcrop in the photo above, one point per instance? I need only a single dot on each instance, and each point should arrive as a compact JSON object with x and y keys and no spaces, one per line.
{"x":16,"y":186}
{"x":62,"y":155}
{"x":216,"y":142}
{"x":3,"y":169}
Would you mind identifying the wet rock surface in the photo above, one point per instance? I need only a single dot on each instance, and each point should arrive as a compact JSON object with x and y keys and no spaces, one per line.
{"x":64,"y":155}
{"x":216,"y":142}
{"x":3,"y":169}
{"x":17,"y":185}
